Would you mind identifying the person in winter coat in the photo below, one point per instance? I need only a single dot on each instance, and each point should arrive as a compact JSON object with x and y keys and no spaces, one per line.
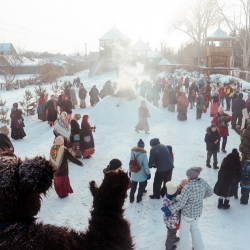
{"x":214,"y":104}
{"x":228,"y":179}
{"x":41,"y":111}
{"x":192,"y":94}
{"x":67,"y":92}
{"x":143,"y":113}
{"x":173,"y":221}
{"x":206,"y":91}
{"x":149,"y":94}
{"x":200,"y":84}
{"x":94,"y":96}
{"x":67,"y":107}
{"x":191,"y":203}
{"x":73,"y":97}
{"x":87,"y":144}
{"x":114,"y":165}
{"x":186,"y":83}
{"x":165,"y":97}
{"x":212,"y":140}
{"x":6,"y":147}
{"x":228,"y":93}
{"x":174,"y":82}
{"x":140,"y":154}
{"x":51,"y":109}
{"x":182,"y":105}
{"x":172,"y":100}
{"x":61,"y":98}
{"x":245,"y":182}
{"x":77,"y":82}
{"x":82,"y":95}
{"x":75,"y":135}
{"x":248,"y":103}
{"x":199,"y":105}
{"x":221,"y":120}
{"x":237,"y":107}
{"x":62,"y":127}
{"x":221,"y":91}
{"x":163,"y":83}
{"x":244,"y":147}
{"x":59,"y":157}
{"x":17,"y":124}
{"x":160,"y":159}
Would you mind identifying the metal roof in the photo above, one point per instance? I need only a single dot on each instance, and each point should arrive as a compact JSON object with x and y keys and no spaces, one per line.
{"x":140,"y":46}
{"x":113,"y":34}
{"x":218,"y":35}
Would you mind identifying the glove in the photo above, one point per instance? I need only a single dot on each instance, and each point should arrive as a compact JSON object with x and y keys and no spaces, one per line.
{"x":148,"y":176}
{"x":166,"y":211}
{"x":129,"y":174}
{"x":177,"y":226}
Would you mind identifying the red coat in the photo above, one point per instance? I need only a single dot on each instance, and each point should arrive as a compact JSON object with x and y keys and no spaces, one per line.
{"x":221,"y":92}
{"x":223,"y":129}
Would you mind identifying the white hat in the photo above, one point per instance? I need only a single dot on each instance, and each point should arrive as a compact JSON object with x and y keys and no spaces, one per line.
{"x":220,"y":109}
{"x":171,"y":188}
{"x":3,"y":128}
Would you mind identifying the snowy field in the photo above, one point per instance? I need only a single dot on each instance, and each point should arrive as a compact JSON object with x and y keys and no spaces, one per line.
{"x":115,"y":119}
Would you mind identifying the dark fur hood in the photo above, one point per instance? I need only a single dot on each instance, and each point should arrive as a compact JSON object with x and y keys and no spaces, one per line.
{"x":137,"y":149}
{"x":209,"y":131}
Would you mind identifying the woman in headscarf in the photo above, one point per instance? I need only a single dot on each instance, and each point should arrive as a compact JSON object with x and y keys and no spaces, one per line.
{"x":87,"y":144}
{"x":41,"y":108}
{"x":143,"y":118}
{"x":182,"y":105}
{"x":62,"y":128}
{"x":59,"y":157}
{"x":17,"y":124}
{"x":51,"y":106}
{"x":67,"y":107}
{"x":6,"y":147}
{"x":75,"y":135}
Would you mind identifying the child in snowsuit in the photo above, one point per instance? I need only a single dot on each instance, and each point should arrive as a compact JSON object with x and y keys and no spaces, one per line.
{"x":245,"y":182}
{"x":173,"y":221}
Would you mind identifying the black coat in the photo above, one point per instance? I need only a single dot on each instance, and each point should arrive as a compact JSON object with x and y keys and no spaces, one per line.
{"x":86,"y":138}
{"x":82,"y":93}
{"x":67,"y":92}
{"x":94,"y":95}
{"x":172,"y":97}
{"x":238,"y":105}
{"x":210,"y":139}
{"x":229,"y":173}
{"x":67,"y":106}
{"x":52,"y":112}
{"x":75,"y":129}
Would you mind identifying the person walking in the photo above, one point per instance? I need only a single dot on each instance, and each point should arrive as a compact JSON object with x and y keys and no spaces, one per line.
{"x":140,"y":155}
{"x":191,"y":203}
{"x":245,"y":182}
{"x":228,"y":179}
{"x":221,"y":91}
{"x":228,"y":95}
{"x":82,"y":95}
{"x":41,"y":108}
{"x":238,"y":105}
{"x":182,"y":105}
{"x":51,"y":110}
{"x":73,"y":97}
{"x":17,"y":124}
{"x":94,"y":96}
{"x":192,"y":94}
{"x":75,"y":135}
{"x":212,"y":139}
{"x":186,"y":83}
{"x":199,"y":105}
{"x":172,"y":100}
{"x":165,"y":97}
{"x":61,"y":98}
{"x":221,"y":120}
{"x":87,"y":144}
{"x":67,"y":107}
{"x":59,"y":157}
{"x":214,"y":104}
{"x":244,"y":147}
{"x":160,"y":159}
{"x":143,"y":113}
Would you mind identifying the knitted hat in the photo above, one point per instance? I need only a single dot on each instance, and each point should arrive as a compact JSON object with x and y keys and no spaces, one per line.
{"x":3,"y":129}
{"x":220,"y":109}
{"x":154,"y":142}
{"x":59,"y":140}
{"x":193,"y":172}
{"x":171,"y":188}
{"x":141,"y":143}
{"x":115,"y":164}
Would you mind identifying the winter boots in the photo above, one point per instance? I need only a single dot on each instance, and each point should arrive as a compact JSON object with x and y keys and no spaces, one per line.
{"x":220,"y":204}
{"x":226,"y":204}
{"x":215,"y":166}
{"x":208,"y":165}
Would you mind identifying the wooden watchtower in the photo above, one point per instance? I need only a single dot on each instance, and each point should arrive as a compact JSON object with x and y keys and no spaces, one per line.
{"x":219,"y":53}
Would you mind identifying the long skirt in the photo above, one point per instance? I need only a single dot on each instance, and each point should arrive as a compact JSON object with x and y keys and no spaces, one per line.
{"x":82,"y":104}
{"x":214,"y":109}
{"x":88,"y":152}
{"x":17,"y":133}
{"x":76,"y":149}
{"x":42,"y":117}
{"x":171,"y":107}
{"x":62,"y":185}
{"x":142,"y":125}
{"x":182,"y":116}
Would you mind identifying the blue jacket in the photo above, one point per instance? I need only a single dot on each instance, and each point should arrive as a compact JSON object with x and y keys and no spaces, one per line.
{"x":160,"y":156}
{"x":245,"y":177}
{"x":238,"y":105}
{"x":142,"y":160}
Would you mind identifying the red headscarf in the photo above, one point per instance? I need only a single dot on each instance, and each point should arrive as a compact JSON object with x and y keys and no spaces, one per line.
{"x":41,"y":98}
{"x":85,"y":120}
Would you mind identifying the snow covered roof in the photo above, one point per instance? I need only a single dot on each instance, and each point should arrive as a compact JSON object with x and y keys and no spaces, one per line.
{"x":153,"y":55}
{"x":164,"y":62}
{"x":113,"y":34}
{"x":219,"y":34}
{"x":140,"y":46}
{"x":7,"y":47}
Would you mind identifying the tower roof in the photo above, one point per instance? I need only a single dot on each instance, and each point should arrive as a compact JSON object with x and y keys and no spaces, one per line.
{"x":140,"y":46}
{"x":164,"y":62}
{"x":219,"y":35}
{"x":114,"y":34}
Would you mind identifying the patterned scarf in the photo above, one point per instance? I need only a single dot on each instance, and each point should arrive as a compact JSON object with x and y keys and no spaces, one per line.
{"x":56,"y":155}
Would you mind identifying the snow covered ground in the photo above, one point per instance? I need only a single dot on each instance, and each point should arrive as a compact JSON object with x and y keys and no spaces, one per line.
{"x":115,"y":119}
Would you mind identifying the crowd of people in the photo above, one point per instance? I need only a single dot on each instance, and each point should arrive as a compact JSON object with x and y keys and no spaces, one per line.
{"x":183,"y":203}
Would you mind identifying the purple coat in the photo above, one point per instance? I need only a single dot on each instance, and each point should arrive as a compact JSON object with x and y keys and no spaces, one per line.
{"x":16,"y":119}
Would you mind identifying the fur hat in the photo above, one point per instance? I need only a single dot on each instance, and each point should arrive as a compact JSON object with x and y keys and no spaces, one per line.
{"x":59,"y":140}
{"x":141,"y":143}
{"x":220,"y":109}
{"x":114,"y":164}
{"x":154,"y":142}
{"x":3,"y":129}
{"x":235,"y":152}
{"x":77,"y":116}
{"x":194,"y":172}
{"x":171,"y":188}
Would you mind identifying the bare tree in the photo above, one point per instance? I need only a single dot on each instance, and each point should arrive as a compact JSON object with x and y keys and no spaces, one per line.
{"x":195,"y":20}
{"x":237,"y":17}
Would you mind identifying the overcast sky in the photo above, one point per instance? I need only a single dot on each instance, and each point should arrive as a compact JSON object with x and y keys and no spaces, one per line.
{"x":65,"y":26}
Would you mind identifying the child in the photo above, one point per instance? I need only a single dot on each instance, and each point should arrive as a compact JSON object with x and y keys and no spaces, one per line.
{"x":182,"y":184}
{"x":173,"y":221}
{"x":245,"y":182}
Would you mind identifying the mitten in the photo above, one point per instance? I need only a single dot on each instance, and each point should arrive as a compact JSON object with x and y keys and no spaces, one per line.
{"x":148,"y":176}
{"x":177,"y":226}
{"x":166,"y":211}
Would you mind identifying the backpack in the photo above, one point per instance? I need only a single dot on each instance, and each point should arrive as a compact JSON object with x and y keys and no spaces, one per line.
{"x":134,"y":165}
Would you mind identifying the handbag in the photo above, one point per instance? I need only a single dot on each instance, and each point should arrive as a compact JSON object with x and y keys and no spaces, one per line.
{"x":134,"y":165}
{"x":77,"y":137}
